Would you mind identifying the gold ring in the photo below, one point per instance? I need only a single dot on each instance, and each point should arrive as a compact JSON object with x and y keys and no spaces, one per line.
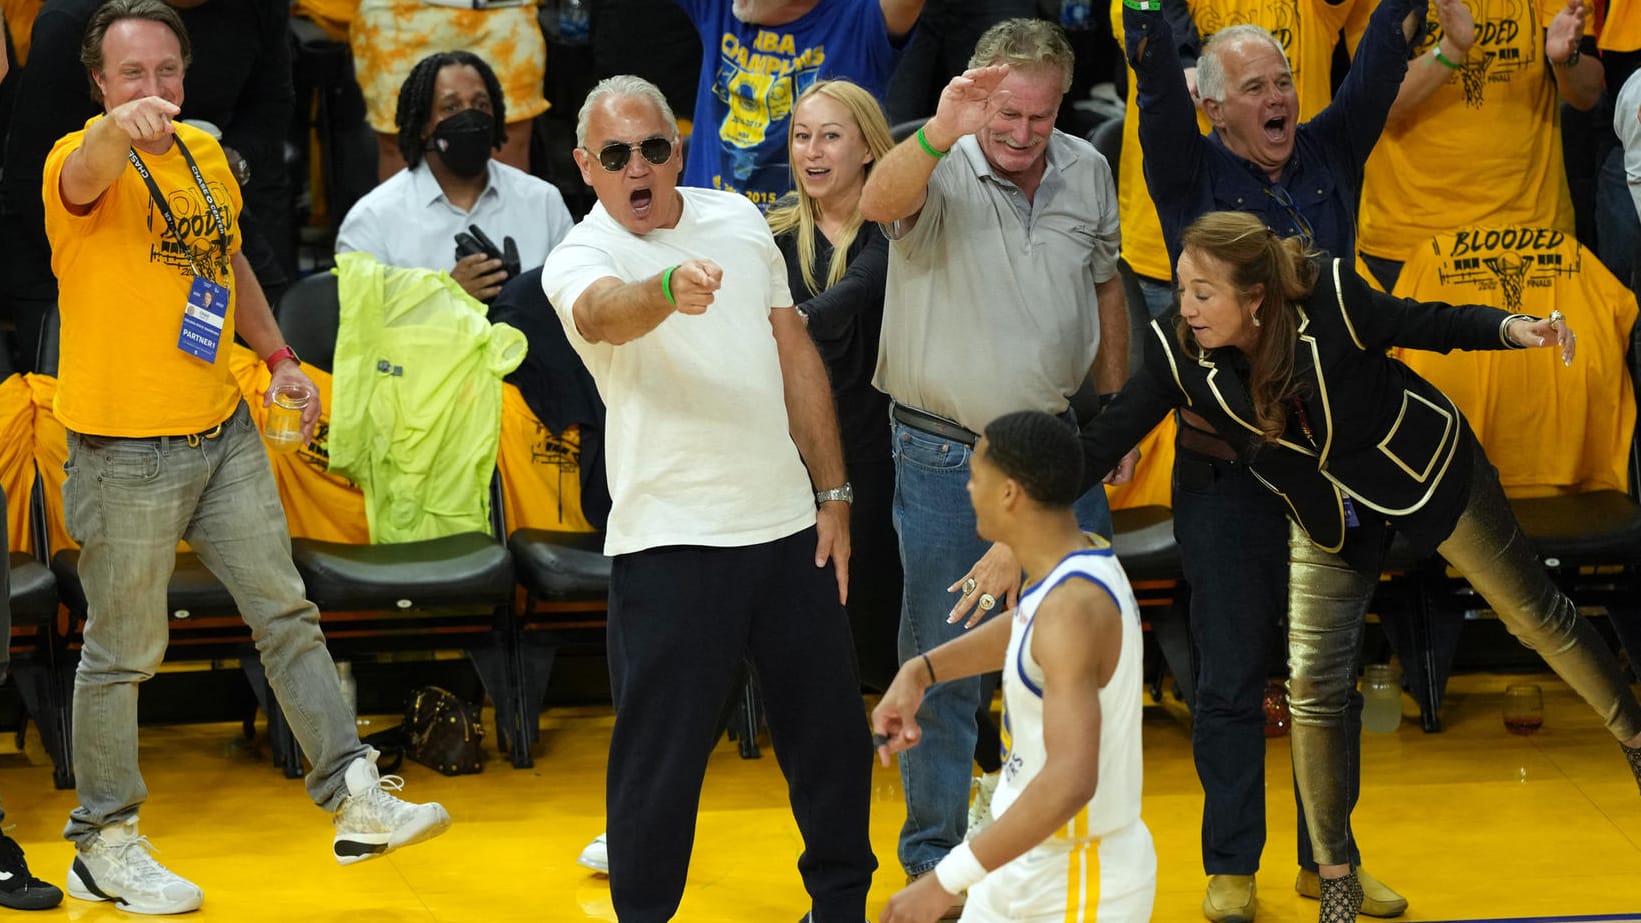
{"x":968,"y":586}
{"x":1556,"y":316}
{"x":988,"y":602}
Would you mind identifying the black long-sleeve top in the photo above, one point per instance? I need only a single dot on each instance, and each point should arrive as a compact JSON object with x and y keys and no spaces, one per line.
{"x":1371,"y":429}
{"x":845,"y":322}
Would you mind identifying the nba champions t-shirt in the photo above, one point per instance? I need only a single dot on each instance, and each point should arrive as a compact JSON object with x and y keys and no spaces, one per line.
{"x":752,"y":76}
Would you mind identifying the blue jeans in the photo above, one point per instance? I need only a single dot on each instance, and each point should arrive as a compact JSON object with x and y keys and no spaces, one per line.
{"x":938,"y":544}
{"x":1618,"y":229}
{"x":128,"y":502}
{"x":1159,"y":295}
{"x":1233,"y":538}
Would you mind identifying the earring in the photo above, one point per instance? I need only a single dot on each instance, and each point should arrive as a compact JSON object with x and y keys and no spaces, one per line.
{"x":1256,"y":320}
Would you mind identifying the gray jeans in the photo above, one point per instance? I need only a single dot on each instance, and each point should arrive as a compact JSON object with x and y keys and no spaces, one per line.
{"x":128,"y":502}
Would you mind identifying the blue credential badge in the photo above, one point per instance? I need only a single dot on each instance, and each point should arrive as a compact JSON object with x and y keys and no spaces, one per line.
{"x":203,"y":318}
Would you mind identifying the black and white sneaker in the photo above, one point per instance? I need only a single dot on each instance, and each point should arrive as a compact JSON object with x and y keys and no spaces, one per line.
{"x":371,"y":822}
{"x":20,"y":890}
{"x":115,"y":865}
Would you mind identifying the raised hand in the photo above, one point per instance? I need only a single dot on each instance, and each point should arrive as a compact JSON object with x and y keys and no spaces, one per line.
{"x":1565,"y":31}
{"x":1458,"y":26}
{"x":966,"y":104}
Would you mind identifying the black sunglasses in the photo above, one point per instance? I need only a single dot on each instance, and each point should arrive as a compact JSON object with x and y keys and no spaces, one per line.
{"x":613,"y":157}
{"x":1306,"y":232}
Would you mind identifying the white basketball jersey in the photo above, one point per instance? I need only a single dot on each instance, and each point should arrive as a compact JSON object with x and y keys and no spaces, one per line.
{"x":1116,"y":801}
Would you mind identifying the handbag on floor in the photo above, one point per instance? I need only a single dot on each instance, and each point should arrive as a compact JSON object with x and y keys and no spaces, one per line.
{"x":440,"y":731}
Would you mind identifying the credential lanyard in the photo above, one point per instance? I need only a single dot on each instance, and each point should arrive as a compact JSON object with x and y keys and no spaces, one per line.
{"x":165,"y":210}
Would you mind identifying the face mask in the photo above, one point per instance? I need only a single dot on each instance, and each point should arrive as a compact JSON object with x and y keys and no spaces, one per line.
{"x":463,"y":141}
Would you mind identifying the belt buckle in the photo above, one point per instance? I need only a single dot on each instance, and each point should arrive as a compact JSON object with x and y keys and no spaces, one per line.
{"x":194,"y":439}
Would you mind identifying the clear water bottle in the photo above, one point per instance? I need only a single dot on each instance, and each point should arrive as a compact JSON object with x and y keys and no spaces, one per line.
{"x":350,"y":688}
{"x":574,"y":28}
{"x":1381,"y":699}
{"x":1075,"y":14}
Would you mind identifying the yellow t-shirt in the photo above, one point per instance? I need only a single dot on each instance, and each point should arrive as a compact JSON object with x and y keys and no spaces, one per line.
{"x":540,"y":470}
{"x":1308,"y":31}
{"x":1483,"y":150}
{"x":1622,"y":29}
{"x":1153,"y":476}
{"x":17,"y":458}
{"x":1548,"y":428}
{"x":123,"y":283}
{"x":19,"y":16}
{"x":50,"y":454}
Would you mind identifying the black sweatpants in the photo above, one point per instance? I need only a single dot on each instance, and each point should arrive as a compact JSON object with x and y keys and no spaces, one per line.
{"x":680,"y":619}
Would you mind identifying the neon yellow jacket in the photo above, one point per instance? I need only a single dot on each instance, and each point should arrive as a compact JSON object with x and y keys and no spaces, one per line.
{"x":417,"y":398}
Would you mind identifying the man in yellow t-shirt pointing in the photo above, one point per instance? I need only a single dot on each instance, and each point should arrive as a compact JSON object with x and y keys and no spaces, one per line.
{"x":142,"y":215}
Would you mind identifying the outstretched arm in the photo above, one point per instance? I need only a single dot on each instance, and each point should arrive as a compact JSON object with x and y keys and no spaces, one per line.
{"x":1380,"y":321}
{"x":616,"y":312}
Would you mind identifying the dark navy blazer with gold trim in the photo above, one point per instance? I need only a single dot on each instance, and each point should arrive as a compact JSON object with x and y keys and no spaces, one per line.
{"x":1379,"y":433}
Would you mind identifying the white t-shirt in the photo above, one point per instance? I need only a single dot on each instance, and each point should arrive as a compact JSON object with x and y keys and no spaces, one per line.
{"x":697,"y":444}
{"x":407,"y":221}
{"x":1628,"y":126}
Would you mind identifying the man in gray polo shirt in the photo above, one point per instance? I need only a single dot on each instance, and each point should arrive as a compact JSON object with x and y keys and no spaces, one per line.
{"x":1002,"y":295}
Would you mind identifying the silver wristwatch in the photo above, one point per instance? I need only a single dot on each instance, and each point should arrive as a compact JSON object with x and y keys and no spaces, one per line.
{"x":846,"y":493}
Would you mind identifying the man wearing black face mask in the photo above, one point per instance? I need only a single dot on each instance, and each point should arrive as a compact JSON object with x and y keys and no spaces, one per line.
{"x":450,"y":119}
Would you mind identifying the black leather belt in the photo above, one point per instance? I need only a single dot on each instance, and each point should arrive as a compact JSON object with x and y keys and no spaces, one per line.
{"x":164,"y":442}
{"x":926,"y":422}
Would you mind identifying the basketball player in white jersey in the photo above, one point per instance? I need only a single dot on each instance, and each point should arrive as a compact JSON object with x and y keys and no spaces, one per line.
{"x":1067,"y":842}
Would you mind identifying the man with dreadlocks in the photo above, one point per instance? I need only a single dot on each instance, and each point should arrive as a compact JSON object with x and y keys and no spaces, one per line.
{"x":450,"y":118}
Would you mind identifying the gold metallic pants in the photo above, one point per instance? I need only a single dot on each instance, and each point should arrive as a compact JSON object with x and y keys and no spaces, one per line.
{"x":1327,"y":600}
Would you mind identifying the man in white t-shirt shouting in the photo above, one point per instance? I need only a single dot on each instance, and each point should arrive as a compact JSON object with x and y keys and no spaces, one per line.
{"x":730,"y":517}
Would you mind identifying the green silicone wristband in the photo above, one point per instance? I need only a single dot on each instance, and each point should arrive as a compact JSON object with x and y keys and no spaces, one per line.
{"x":1444,"y":60}
{"x":666,"y":285}
{"x":927,"y":147}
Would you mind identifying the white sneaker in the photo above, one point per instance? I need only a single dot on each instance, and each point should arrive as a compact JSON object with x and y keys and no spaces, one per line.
{"x":596,"y":856}
{"x":115,"y":865}
{"x":980,"y":792}
{"x":371,"y":823}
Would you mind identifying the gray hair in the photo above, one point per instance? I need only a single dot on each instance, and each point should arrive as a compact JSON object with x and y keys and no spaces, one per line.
{"x":624,"y":86}
{"x":1025,"y":44}
{"x":1211,"y":70}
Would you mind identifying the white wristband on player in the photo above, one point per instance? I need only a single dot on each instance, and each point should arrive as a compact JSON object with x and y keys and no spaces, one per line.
{"x":960,"y":870}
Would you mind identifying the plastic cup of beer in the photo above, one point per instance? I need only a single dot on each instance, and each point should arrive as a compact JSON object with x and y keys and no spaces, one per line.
{"x":1523,"y":708}
{"x":283,"y":431}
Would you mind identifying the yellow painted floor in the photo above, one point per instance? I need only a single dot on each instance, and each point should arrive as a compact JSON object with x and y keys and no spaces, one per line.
{"x":1469,"y":824}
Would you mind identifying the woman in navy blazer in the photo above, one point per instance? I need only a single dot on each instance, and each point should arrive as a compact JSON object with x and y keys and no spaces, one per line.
{"x":1283,"y":351}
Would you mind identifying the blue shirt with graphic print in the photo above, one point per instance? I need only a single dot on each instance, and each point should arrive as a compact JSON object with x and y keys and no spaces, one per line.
{"x":751,"y":76}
